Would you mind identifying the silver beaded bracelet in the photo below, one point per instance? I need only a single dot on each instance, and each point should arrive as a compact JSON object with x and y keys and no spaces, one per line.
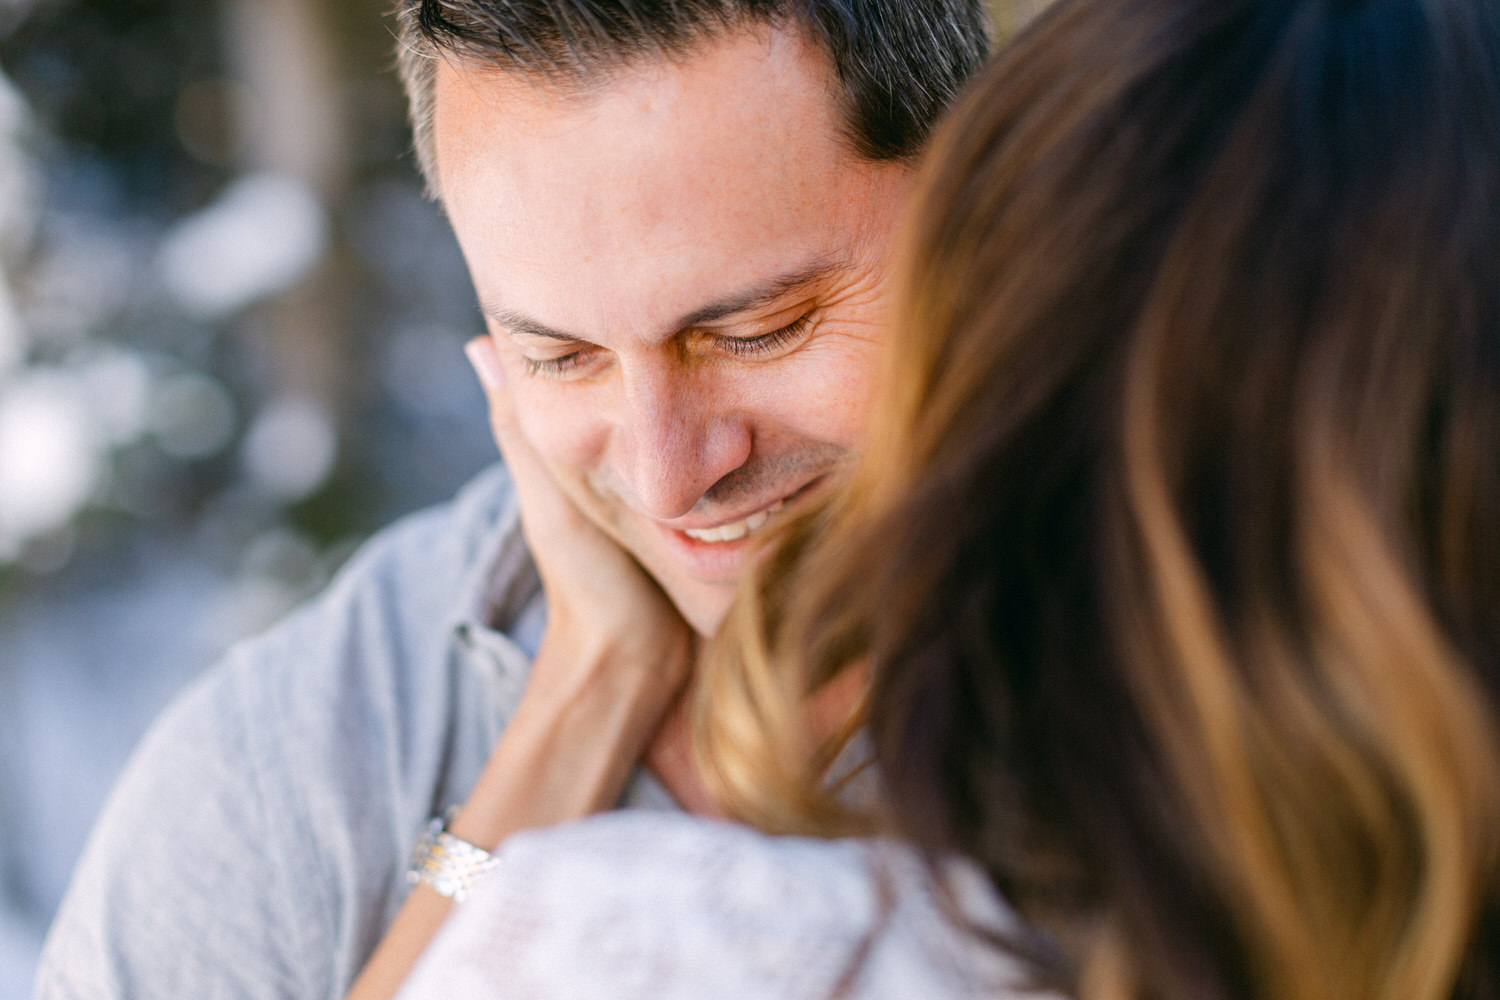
{"x":445,"y":864}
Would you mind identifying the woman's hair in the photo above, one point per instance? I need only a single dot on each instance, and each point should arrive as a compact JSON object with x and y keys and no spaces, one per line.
{"x":1174,"y":558}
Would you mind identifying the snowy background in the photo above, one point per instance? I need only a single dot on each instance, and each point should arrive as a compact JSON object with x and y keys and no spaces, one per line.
{"x":230,"y":347}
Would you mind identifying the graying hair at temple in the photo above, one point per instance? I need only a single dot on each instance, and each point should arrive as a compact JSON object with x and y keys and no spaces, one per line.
{"x":899,"y":63}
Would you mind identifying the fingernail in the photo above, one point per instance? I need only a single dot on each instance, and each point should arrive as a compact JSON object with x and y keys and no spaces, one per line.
{"x":486,"y":364}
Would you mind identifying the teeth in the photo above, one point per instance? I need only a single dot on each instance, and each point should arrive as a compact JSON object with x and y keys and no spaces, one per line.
{"x":736,"y":530}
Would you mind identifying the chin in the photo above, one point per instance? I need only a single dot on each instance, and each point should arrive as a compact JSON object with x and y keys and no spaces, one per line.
{"x":702,"y":605}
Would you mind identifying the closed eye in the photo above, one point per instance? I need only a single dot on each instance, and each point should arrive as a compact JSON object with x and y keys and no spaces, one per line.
{"x":554,"y":367}
{"x":763,"y":345}
{"x":766,"y":343}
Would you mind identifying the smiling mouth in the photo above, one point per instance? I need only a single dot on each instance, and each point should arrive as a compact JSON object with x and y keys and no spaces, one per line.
{"x":735,"y":530}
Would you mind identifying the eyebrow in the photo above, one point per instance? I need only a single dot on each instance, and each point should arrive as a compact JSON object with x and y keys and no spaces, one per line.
{"x":743,"y":301}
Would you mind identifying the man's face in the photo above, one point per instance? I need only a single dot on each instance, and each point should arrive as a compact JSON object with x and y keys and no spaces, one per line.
{"x":683,"y":271}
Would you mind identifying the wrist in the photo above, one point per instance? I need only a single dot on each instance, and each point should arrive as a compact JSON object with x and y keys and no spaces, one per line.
{"x":575,"y":666}
{"x":445,"y":862}
{"x":580,"y":728}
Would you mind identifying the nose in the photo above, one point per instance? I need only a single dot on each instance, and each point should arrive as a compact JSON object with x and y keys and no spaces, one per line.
{"x":679,"y":434}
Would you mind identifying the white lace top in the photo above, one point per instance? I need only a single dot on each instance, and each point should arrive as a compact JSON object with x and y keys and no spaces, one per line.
{"x":668,"y":907}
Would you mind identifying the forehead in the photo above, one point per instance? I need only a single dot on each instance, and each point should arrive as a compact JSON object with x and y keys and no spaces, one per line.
{"x":646,"y":192}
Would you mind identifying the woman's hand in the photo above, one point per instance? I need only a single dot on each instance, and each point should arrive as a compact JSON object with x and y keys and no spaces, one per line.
{"x":611,"y":665}
{"x":613,"y":659}
{"x":602,"y":608}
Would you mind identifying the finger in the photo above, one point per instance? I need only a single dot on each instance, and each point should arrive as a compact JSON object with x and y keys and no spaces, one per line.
{"x":553,"y":525}
{"x":519,"y":456}
{"x":486,"y":363}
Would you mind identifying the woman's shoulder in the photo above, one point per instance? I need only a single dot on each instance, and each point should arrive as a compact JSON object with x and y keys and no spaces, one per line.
{"x":669,"y":906}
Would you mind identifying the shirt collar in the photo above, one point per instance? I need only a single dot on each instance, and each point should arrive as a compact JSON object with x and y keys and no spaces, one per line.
{"x":501,"y":588}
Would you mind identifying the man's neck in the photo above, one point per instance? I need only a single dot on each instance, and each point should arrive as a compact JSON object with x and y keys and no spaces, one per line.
{"x":669,"y":756}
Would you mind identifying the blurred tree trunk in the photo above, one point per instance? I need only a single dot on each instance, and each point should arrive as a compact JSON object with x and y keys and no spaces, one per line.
{"x":293,"y":122}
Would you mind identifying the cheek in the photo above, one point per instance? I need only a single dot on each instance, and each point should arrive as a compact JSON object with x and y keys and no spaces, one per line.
{"x":825,"y":394}
{"x":566,"y":433}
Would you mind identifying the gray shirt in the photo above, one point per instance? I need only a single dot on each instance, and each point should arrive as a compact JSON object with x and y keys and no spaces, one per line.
{"x":256,"y":844}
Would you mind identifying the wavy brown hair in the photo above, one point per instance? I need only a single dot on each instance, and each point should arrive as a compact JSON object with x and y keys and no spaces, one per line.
{"x":1174,"y":559}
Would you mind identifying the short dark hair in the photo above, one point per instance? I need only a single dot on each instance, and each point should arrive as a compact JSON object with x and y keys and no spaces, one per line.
{"x":899,"y":63}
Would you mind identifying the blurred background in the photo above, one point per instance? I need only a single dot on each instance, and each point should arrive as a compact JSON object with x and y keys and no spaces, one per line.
{"x":231,"y":335}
